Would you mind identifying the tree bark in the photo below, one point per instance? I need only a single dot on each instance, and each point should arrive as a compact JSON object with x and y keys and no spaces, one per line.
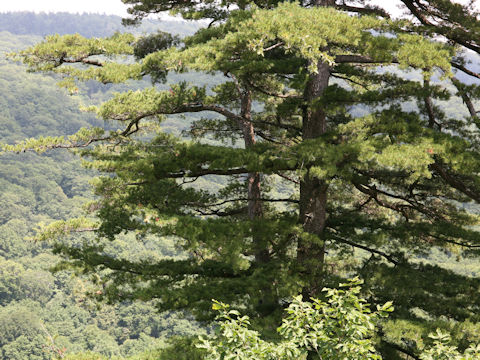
{"x":466,"y":99}
{"x":313,"y":191}
{"x":429,"y":106}
{"x":255,"y":208}
{"x":267,"y":300}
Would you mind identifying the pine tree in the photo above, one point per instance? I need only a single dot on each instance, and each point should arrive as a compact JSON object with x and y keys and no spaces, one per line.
{"x":328,"y":137}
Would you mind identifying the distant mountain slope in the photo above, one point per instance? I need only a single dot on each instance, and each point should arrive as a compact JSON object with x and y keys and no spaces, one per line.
{"x":89,"y":25}
{"x":33,"y":188}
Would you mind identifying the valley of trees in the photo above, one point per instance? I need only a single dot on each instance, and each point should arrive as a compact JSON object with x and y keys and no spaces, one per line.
{"x":35,"y":303}
{"x":261,"y":159}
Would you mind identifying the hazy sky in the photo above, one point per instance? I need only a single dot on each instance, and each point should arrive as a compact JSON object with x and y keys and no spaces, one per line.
{"x":110,"y":6}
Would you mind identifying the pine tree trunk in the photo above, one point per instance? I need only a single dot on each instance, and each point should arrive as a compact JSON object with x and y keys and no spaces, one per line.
{"x":267,"y":300}
{"x":313,"y":191}
{"x":255,"y":209}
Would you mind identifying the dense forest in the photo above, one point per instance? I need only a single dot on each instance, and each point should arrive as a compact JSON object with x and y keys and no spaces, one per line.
{"x":36,"y":305}
{"x":302,"y":165}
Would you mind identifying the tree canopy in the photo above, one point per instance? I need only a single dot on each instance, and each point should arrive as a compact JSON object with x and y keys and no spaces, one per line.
{"x":327,"y":142}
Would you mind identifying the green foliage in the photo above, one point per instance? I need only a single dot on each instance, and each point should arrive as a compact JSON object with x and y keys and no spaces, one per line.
{"x":318,"y":156}
{"x":44,"y":314}
{"x":154,"y":42}
{"x":339,"y":328}
{"x":442,"y":351}
{"x":181,"y":348}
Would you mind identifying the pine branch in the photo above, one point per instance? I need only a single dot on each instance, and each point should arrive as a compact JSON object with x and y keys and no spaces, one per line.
{"x":197,"y":107}
{"x":249,"y":199}
{"x":453,"y":242}
{"x":366,"y":248}
{"x":223,"y":172}
{"x":269,"y":93}
{"x":455,"y":182}
{"x":429,"y":107}
{"x":267,"y":138}
{"x":373,"y":192}
{"x":83,"y":60}
{"x":465,"y":70}
{"x":368,"y":10}
{"x":407,"y":352}
{"x":466,"y":99}
{"x":281,"y":43}
{"x":223,"y":213}
{"x":287,"y":178}
{"x":277,"y":124}
{"x":414,"y":7}
{"x":361,"y":59}
{"x":336,"y":76}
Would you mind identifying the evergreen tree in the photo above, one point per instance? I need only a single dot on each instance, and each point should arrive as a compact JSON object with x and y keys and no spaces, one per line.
{"x":330,"y":158}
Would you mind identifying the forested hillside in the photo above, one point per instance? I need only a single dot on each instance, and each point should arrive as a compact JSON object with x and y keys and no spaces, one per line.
{"x":305,"y":163}
{"x":41,"y":312}
{"x":89,"y":25}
